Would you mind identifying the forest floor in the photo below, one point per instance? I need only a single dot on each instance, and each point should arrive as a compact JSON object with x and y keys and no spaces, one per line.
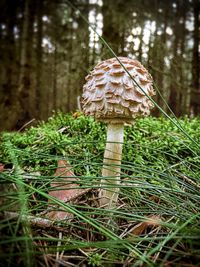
{"x":50,"y":180}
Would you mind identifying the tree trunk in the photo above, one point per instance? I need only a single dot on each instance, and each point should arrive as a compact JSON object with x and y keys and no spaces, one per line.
{"x":39,"y":96}
{"x":195,"y":98}
{"x":84,"y":56}
{"x":140,"y":49}
{"x":78,"y":60}
{"x":185,"y":89}
{"x":8,"y":68}
{"x":25,"y":84}
{"x":55,"y":94}
{"x":112,"y":12}
{"x":174,"y":97}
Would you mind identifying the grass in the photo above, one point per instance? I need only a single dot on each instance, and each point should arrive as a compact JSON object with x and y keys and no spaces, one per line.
{"x":156,"y":222}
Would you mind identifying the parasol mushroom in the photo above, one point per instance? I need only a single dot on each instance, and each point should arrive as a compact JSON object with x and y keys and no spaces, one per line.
{"x":113,"y":97}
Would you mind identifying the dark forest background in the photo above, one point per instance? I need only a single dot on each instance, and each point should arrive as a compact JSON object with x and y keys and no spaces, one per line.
{"x":47,"y":49}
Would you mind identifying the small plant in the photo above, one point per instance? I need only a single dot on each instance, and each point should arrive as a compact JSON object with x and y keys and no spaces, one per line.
{"x":95,"y":260}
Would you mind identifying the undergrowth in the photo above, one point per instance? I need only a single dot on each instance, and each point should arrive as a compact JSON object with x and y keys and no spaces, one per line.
{"x":156,"y":221}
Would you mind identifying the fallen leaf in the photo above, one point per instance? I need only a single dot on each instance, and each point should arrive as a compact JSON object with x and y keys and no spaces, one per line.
{"x":152,"y":220}
{"x":65,"y":176}
{"x":1,"y":167}
{"x":64,"y":190}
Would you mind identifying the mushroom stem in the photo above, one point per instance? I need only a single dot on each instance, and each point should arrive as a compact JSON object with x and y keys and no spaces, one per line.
{"x":112,"y":165}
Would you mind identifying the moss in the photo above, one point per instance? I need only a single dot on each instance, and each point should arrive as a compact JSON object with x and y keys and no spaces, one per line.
{"x":150,"y":141}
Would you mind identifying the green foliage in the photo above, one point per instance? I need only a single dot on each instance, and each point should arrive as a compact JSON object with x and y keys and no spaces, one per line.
{"x":95,"y":260}
{"x":160,"y":178}
{"x":154,"y":142}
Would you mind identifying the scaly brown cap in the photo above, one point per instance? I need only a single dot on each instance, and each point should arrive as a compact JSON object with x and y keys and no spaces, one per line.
{"x":110,"y":95}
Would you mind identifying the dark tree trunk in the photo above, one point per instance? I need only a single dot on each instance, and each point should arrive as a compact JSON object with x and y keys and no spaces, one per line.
{"x":161,"y":63}
{"x":140,"y":50}
{"x":195,"y":98}
{"x":8,"y":89}
{"x":185,"y":90}
{"x":84,"y":56}
{"x":70,"y":66}
{"x":112,"y":11}
{"x":39,"y":97}
{"x":174,"y":98}
{"x":55,"y":94}
{"x":25,"y":83}
{"x":78,"y":60}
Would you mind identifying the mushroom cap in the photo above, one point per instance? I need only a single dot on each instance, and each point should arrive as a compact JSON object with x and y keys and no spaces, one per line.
{"x":112,"y":96}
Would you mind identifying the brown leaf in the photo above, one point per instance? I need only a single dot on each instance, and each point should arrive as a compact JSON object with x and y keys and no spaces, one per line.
{"x":65,"y":176}
{"x":152,"y":220}
{"x":63,"y":189}
{"x":1,"y":167}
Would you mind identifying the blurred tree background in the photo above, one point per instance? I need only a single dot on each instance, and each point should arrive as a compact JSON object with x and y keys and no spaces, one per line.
{"x":47,"y":49}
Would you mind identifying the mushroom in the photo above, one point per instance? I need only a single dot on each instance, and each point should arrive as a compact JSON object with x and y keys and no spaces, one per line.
{"x":113,"y":96}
